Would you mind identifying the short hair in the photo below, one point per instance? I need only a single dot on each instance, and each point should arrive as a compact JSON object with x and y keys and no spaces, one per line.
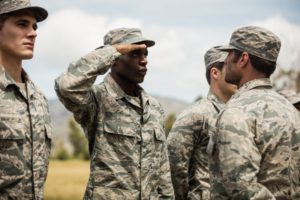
{"x":3,"y":17}
{"x":218,"y":65}
{"x":260,"y":64}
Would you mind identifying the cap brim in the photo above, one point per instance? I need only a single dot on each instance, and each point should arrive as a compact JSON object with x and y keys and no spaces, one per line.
{"x":141,"y":40}
{"x":40,"y":13}
{"x":227,"y":47}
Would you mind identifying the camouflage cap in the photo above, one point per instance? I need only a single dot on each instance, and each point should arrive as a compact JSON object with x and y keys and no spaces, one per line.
{"x":214,"y":55}
{"x":8,"y":6}
{"x":290,"y":95}
{"x":126,"y":36}
{"x":255,"y":40}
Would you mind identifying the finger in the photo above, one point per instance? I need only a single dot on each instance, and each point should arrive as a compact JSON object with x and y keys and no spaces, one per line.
{"x":138,"y":46}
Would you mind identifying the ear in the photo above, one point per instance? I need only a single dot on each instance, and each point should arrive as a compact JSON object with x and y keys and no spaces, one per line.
{"x":243,"y":60}
{"x":214,"y":73}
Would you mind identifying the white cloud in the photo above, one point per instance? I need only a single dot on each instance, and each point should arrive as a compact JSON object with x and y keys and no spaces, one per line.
{"x":289,"y":34}
{"x":176,"y":65}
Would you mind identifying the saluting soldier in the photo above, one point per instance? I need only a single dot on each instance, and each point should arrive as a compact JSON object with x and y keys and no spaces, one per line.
{"x":123,"y":124}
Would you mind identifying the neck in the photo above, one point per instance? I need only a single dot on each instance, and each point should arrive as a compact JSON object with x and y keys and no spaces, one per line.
{"x":251,"y":75}
{"x":128,"y":87}
{"x":12,"y":66}
{"x":221,"y":95}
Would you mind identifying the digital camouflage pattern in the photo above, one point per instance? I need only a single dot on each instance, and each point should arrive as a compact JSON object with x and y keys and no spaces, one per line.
{"x":187,"y":142}
{"x":8,"y":6}
{"x":25,"y":139}
{"x":126,"y":36}
{"x":290,"y":95}
{"x":255,"y":150}
{"x":214,"y":55}
{"x":255,"y":40}
{"x":127,"y":143}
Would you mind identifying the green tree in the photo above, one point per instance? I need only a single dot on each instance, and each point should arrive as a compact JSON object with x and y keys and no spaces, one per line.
{"x":170,"y":119}
{"x":78,"y":141}
{"x":61,"y":153}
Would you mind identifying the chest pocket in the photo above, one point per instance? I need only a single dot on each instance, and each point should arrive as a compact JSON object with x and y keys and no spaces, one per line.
{"x":118,"y":137}
{"x":12,"y":162}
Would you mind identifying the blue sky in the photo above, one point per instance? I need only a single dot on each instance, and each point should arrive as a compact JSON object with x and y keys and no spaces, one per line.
{"x":183,"y":31}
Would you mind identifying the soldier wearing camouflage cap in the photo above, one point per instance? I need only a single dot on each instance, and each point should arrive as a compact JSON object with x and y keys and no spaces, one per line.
{"x":123,"y":124}
{"x":255,"y":149}
{"x":189,"y":136}
{"x":292,"y":96}
{"x":25,"y":130}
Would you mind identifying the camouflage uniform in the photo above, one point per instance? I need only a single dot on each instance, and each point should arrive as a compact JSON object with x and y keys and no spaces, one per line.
{"x":187,"y":144}
{"x":25,"y":130}
{"x":188,"y":139}
{"x":25,"y":139}
{"x":292,"y":96}
{"x":255,"y":150}
{"x":126,"y":139}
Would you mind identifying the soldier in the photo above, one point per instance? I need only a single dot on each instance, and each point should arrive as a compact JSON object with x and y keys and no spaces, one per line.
{"x":255,"y":150}
{"x":123,"y":124}
{"x":292,"y":96}
{"x":189,"y":135}
{"x":25,"y":131}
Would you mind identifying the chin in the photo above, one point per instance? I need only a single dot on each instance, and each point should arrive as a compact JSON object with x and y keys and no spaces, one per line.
{"x":27,"y":56}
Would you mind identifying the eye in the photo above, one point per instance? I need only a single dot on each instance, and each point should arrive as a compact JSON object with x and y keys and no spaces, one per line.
{"x":35,"y":26}
{"x":135,"y":53}
{"x":22,"y":24}
{"x":138,"y":53}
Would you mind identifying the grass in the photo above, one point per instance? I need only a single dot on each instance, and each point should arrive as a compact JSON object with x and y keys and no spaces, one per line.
{"x":66,"y":180}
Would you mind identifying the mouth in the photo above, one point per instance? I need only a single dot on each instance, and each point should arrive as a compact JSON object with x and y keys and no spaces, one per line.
{"x":143,"y":71}
{"x":29,"y":45}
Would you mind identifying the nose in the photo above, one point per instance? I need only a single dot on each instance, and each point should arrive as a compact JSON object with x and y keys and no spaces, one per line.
{"x":144,"y":60}
{"x":32,"y":33}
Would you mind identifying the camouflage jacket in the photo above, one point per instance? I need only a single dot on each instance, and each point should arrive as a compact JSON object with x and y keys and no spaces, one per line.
{"x":252,"y":149}
{"x":187,"y":144}
{"x":127,"y":142}
{"x":25,"y":139}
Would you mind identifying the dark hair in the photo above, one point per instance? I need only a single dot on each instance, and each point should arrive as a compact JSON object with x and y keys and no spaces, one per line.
{"x":237,"y":55}
{"x":218,"y":65}
{"x":3,"y":17}
{"x":260,"y":64}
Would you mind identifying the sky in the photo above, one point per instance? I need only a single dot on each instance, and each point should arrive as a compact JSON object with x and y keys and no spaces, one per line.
{"x":183,"y":32}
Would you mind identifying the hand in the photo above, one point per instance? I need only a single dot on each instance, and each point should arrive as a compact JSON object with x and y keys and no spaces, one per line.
{"x":126,"y":48}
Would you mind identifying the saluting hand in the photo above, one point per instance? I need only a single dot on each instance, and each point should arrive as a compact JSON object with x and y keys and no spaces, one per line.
{"x":126,"y":48}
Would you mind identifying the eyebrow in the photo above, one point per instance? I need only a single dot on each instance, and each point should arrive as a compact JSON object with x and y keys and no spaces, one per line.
{"x":23,"y":20}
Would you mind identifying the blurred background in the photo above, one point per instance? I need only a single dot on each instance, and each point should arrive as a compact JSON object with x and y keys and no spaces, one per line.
{"x":183,"y":31}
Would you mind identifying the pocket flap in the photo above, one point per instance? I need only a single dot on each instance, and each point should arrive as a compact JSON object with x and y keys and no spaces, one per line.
{"x":119,"y":128}
{"x":11,"y":130}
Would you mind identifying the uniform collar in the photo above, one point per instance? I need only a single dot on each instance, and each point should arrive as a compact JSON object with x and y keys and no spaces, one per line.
{"x":215,"y":100}
{"x":116,"y":91}
{"x":6,"y":80}
{"x":261,"y":82}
